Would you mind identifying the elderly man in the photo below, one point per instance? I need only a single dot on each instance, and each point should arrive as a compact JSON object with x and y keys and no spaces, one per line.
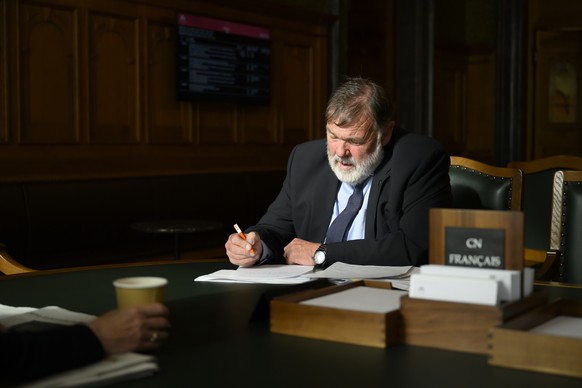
{"x":360,"y":196}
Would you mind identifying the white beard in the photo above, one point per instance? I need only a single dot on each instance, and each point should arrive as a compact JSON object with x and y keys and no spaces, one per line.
{"x":359,"y":170}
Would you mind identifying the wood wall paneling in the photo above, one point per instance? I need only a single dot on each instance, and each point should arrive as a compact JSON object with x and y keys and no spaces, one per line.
{"x":371,"y":47}
{"x":481,"y":106}
{"x":258,"y":124}
{"x":450,"y":100}
{"x":90,"y":90}
{"x":296,"y":60}
{"x":464,"y":111}
{"x":167,"y":120}
{"x":217,"y":124}
{"x":48,"y":72}
{"x":320,"y":88}
{"x":3,"y":76}
{"x":113,"y":76}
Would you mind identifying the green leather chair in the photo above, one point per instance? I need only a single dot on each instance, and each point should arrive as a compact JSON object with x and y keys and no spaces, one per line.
{"x":566,"y":226}
{"x":477,"y":185}
{"x":538,"y":176}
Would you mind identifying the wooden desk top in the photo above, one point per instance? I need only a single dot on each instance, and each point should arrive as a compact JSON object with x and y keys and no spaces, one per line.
{"x":214,"y":342}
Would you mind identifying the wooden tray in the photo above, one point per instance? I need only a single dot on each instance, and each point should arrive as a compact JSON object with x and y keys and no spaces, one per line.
{"x":454,"y":326}
{"x":513,"y":345}
{"x":288,"y":315}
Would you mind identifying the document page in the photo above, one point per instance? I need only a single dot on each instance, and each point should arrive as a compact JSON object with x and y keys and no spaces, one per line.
{"x":398,"y":276}
{"x":368,"y":299}
{"x":561,"y":325}
{"x":352,"y":271}
{"x":25,"y":317}
{"x":270,"y":274}
{"x":116,"y":368}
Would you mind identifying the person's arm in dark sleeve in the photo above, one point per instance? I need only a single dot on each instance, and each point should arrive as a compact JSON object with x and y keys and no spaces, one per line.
{"x":26,"y":356}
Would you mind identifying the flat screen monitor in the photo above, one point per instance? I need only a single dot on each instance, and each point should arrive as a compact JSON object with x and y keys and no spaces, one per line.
{"x":222,"y":61}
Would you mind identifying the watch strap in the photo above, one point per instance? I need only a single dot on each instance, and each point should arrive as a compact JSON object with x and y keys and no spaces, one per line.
{"x":321,"y":248}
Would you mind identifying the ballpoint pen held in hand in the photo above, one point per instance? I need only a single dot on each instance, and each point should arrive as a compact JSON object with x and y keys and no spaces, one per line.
{"x":242,"y":235}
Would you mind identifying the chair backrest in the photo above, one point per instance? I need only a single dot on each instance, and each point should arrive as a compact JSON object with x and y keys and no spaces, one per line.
{"x":566,"y":229}
{"x":477,"y":185}
{"x":538,"y":176}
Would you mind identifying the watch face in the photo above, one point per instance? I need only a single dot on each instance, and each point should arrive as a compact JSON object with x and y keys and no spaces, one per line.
{"x":319,"y":257}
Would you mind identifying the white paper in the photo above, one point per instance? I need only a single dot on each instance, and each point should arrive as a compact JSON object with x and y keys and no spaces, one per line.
{"x":112,"y":369}
{"x":50,"y":314}
{"x":8,"y":311}
{"x":340,"y":270}
{"x":295,"y":274}
{"x":398,"y":276}
{"x":454,"y":289}
{"x":270,"y":274}
{"x":509,"y":280}
{"x":368,"y":299}
{"x":561,"y":325}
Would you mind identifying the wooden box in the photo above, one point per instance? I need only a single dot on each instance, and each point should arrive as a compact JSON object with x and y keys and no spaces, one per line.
{"x":290,"y":315}
{"x":514,"y":345}
{"x":454,"y":326}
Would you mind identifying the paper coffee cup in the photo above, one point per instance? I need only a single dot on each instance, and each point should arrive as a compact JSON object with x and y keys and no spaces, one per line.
{"x":135,"y":291}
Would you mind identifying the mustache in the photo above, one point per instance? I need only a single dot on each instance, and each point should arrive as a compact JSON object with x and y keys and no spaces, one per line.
{"x":344,"y":160}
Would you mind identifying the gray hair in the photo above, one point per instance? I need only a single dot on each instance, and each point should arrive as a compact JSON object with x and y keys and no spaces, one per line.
{"x":358,"y":100}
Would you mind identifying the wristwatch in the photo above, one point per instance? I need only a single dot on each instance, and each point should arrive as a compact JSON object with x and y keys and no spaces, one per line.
{"x":319,"y":255}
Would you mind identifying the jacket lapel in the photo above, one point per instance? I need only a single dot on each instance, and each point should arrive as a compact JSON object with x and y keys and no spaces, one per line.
{"x":381,"y":177}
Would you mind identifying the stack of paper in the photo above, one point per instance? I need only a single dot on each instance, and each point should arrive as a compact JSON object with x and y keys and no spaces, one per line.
{"x":113,"y":369}
{"x":295,"y":274}
{"x":398,"y":276}
{"x":466,"y":284}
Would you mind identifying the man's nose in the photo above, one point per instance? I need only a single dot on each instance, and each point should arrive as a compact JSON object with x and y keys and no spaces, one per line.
{"x":343,"y":149}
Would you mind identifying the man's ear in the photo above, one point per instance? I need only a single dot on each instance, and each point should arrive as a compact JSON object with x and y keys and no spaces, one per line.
{"x":388,"y":134}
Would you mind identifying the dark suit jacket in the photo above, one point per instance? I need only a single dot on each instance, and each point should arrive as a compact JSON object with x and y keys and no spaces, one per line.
{"x":412,"y":178}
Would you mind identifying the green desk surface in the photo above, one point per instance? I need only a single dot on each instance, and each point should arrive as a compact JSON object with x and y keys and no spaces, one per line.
{"x":215,"y":343}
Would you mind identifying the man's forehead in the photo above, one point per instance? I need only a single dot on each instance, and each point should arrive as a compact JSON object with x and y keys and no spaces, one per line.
{"x":360,"y":130}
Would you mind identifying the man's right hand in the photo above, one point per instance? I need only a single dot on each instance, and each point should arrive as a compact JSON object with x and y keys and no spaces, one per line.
{"x":137,"y":328}
{"x":239,"y":252}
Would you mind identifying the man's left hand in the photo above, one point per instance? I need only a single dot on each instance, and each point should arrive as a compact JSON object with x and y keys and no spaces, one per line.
{"x":300,"y":252}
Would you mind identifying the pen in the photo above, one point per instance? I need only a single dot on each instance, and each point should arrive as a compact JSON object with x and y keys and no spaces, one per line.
{"x":242,"y":235}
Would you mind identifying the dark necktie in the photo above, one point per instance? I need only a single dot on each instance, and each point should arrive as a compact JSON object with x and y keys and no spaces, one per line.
{"x":338,"y":229}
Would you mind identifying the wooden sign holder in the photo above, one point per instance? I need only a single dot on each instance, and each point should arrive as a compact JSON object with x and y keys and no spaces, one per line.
{"x":509,"y":221}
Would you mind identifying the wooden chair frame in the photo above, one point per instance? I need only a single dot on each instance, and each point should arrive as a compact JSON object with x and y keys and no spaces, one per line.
{"x":9,"y":266}
{"x":557,"y":162}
